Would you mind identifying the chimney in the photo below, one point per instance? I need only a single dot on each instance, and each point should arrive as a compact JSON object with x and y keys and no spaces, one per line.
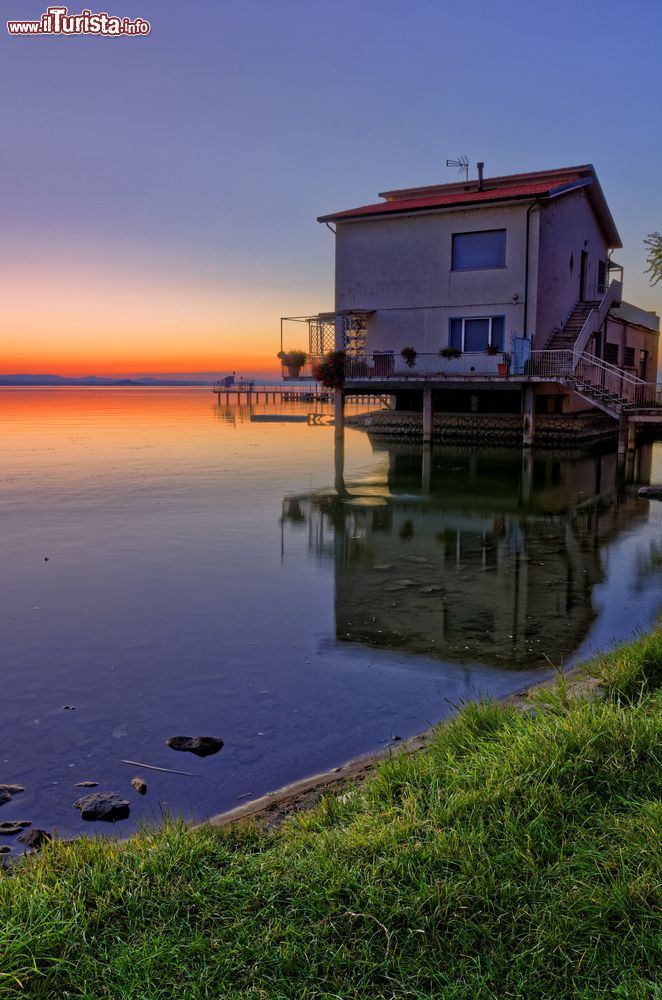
{"x":481,"y":167}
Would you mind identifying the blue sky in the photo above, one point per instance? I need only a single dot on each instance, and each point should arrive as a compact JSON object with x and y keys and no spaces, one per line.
{"x":161,"y":192}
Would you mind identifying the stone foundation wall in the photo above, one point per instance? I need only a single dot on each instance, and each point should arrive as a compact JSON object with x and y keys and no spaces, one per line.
{"x":501,"y":428}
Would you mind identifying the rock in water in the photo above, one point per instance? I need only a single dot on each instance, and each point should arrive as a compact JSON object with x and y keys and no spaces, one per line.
{"x":86,"y":784}
{"x":4,"y":849}
{"x":106,"y":806}
{"x":7,"y":791}
{"x":201,"y":746}
{"x":12,"y":827}
{"x":139,"y":785}
{"x":35,"y":838}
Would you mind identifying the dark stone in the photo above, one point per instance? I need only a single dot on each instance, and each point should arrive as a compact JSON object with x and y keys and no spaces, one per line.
{"x":12,"y":827}
{"x":7,"y":791}
{"x":201,"y":746}
{"x":35,"y":838}
{"x":139,"y":785}
{"x":107,"y":806}
{"x":650,"y":492}
{"x":4,"y":849}
{"x":69,"y":708}
{"x":86,"y":784}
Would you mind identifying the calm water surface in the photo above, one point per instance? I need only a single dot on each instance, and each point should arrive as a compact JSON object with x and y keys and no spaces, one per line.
{"x":171,"y":567}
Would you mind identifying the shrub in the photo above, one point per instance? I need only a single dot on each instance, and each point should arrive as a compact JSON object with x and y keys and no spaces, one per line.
{"x":292,"y":359}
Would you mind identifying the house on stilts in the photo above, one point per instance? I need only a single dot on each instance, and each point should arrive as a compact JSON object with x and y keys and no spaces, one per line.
{"x":491,"y":307}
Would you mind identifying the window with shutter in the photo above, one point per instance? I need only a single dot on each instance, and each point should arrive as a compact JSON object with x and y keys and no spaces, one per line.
{"x":476,"y":251}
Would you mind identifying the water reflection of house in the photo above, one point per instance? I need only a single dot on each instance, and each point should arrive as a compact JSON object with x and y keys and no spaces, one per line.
{"x":481,"y":568}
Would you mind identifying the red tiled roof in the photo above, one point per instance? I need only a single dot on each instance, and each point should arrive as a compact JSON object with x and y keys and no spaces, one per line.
{"x":459,"y":197}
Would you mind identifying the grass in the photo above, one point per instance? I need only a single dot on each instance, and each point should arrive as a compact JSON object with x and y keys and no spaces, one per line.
{"x":518,"y":856}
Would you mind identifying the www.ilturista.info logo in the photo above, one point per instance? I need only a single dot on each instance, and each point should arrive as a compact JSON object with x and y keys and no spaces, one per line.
{"x":58,"y":21}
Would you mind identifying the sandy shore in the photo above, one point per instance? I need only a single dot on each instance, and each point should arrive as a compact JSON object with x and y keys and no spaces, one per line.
{"x":272,"y":809}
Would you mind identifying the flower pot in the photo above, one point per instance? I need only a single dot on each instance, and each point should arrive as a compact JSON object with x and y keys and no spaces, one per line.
{"x":291,"y":371}
{"x":503,"y":367}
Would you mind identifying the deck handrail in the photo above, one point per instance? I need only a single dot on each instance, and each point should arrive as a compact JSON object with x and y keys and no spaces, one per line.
{"x":577,"y":370}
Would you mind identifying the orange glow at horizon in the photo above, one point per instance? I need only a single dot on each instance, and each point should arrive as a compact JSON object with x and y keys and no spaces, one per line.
{"x":73,"y":321}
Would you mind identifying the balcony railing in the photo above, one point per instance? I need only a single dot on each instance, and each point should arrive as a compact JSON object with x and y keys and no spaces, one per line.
{"x":425,"y":366}
{"x":583,"y":372}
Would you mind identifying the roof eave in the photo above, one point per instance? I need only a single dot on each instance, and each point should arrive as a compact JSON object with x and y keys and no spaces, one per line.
{"x":349,"y":217}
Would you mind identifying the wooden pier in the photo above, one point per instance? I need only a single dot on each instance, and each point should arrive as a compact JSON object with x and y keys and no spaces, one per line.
{"x":296,"y":392}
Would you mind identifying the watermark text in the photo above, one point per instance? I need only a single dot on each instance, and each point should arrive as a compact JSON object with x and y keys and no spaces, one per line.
{"x":58,"y":21}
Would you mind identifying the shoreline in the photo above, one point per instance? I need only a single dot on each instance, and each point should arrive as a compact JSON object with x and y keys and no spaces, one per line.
{"x":274,"y":808}
{"x":521,"y":834}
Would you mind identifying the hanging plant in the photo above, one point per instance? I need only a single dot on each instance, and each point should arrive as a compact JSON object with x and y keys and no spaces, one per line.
{"x":331,"y":370}
{"x":409,"y":354}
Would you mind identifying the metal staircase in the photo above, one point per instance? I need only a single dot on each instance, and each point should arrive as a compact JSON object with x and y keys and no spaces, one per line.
{"x":611,"y":389}
{"x":566,"y":338}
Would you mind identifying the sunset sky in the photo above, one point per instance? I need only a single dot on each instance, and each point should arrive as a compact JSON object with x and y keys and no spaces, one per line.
{"x":160,"y":192}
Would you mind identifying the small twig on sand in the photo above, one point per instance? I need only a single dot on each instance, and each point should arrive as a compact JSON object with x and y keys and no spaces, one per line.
{"x":152,"y":767}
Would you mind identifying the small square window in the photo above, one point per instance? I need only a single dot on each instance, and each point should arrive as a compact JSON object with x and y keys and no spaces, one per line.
{"x":475,"y":251}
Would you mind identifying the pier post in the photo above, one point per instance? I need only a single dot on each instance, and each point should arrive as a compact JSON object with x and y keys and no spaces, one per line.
{"x":624,"y":432}
{"x":427,"y":416}
{"x":426,"y":470}
{"x":526,"y":479}
{"x":339,"y":457}
{"x":528,"y":416}
{"x":339,"y":407}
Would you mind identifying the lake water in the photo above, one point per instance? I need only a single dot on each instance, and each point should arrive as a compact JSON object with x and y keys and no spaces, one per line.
{"x":172,"y":567}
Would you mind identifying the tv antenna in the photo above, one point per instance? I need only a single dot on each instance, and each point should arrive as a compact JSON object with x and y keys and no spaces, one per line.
{"x":462,"y":164}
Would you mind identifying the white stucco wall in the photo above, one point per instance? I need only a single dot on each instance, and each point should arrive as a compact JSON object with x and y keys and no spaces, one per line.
{"x":567,"y":226}
{"x":401,"y":268}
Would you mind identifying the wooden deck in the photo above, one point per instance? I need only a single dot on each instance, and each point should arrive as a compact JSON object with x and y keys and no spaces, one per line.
{"x":293,"y":392}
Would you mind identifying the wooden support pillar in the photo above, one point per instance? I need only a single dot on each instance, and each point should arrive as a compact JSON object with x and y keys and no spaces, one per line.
{"x":427,"y":415}
{"x":339,"y":457}
{"x":426,"y":470}
{"x":528,"y":415}
{"x":339,"y":406}
{"x":623,"y":434}
{"x":526,"y":480}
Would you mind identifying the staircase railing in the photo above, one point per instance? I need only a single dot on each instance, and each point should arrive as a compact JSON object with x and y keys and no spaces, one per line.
{"x":596,"y":317}
{"x":595,"y":375}
{"x":614,"y":382}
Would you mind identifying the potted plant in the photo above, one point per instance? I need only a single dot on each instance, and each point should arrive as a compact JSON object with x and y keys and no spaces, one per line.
{"x":450,"y":352}
{"x":292,"y":362}
{"x":492,"y":350}
{"x":409,"y":354}
{"x":331,"y":370}
{"x":504,"y":364}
